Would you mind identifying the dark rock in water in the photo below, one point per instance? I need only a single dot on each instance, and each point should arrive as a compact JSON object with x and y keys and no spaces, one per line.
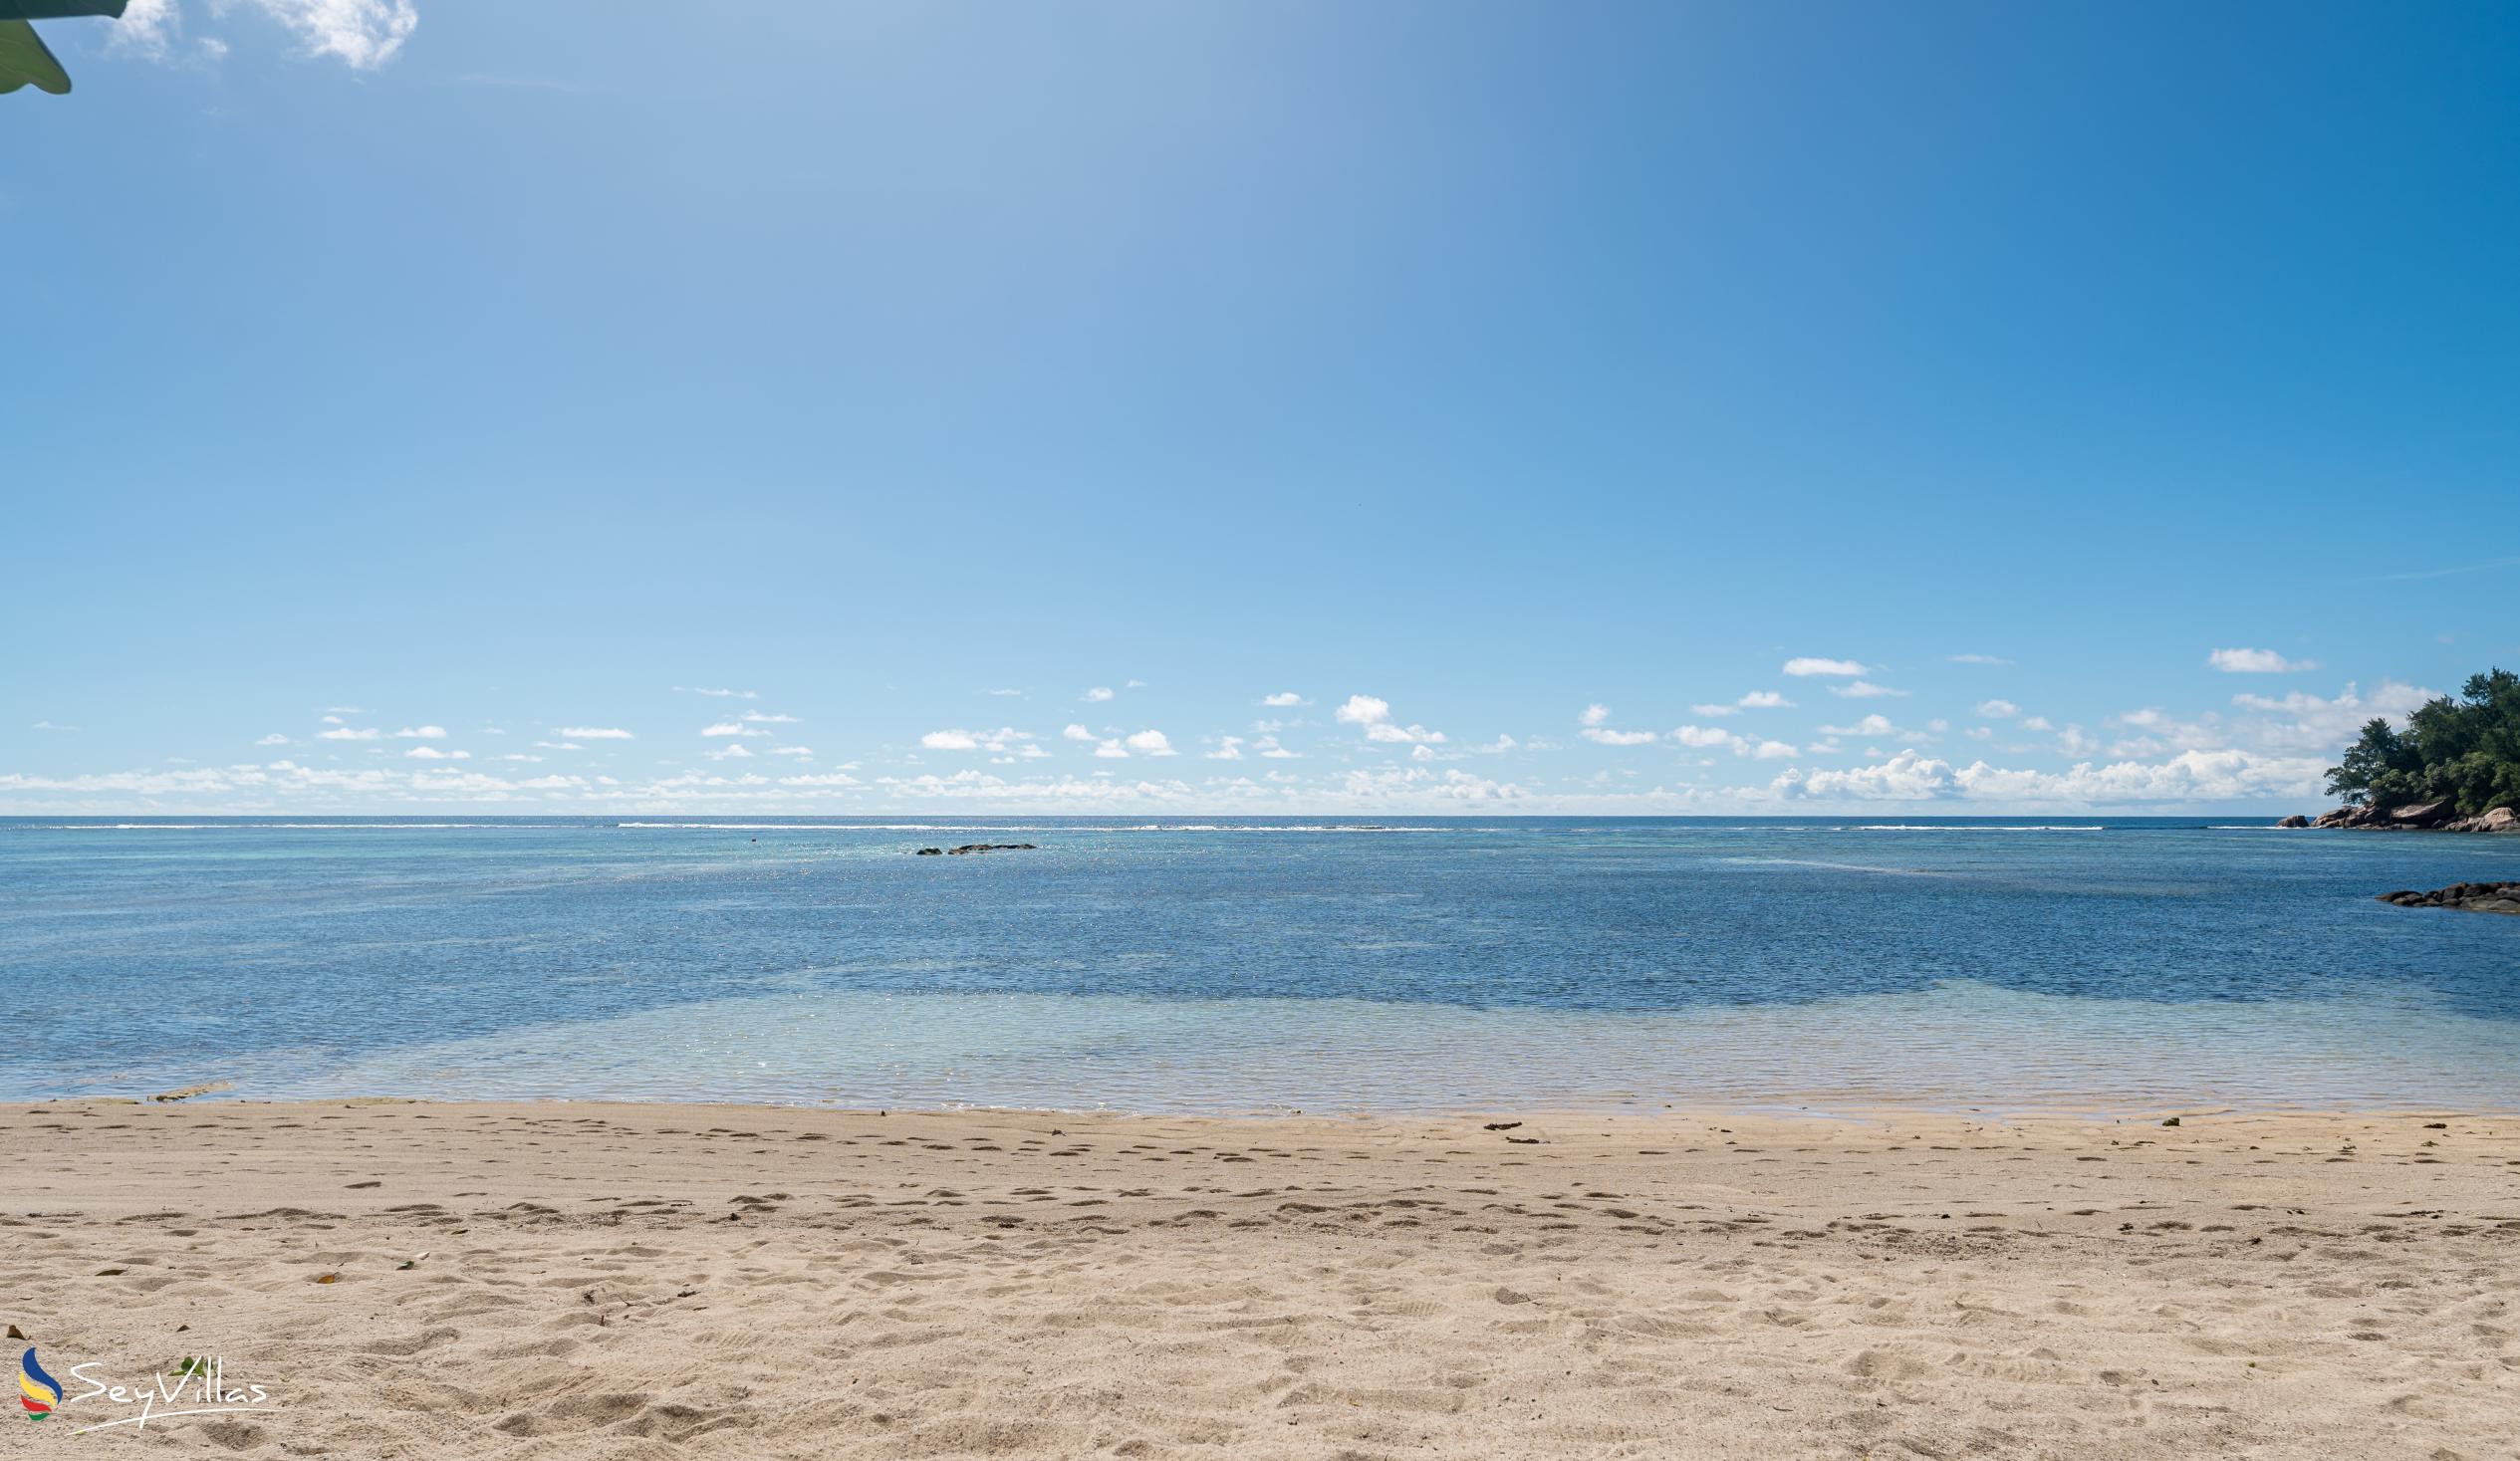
{"x":930,"y":853}
{"x":991,"y":847}
{"x":2425,"y":817}
{"x":2296,"y":820}
{"x":2474,"y":897}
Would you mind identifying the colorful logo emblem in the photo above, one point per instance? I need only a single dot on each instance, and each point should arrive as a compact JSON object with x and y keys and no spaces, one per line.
{"x":38,"y":1391}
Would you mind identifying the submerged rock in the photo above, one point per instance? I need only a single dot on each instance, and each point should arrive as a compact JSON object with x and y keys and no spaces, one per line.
{"x":2473,"y":897}
{"x":989,"y":847}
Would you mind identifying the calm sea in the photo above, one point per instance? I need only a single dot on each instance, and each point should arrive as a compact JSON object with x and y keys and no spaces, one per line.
{"x":1255,"y":965}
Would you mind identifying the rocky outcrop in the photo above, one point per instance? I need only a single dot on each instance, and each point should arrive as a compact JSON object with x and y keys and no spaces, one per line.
{"x":2474,"y":897}
{"x":2427,"y":817}
{"x":978,"y":847}
{"x":2296,"y":820}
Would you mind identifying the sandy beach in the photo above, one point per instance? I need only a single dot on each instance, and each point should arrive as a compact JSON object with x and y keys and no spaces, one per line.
{"x":580,"y":1281}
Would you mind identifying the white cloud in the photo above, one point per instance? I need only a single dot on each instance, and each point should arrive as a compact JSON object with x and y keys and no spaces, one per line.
{"x":1864,"y":690}
{"x":2191,"y":776}
{"x":1711,"y":738}
{"x":731,"y":751}
{"x":1870,"y":725}
{"x":1077,"y":733}
{"x":1002,"y":741}
{"x":1755,"y":700}
{"x":1374,"y":715}
{"x":801,"y":753}
{"x":1111,"y":751}
{"x":1906,"y":777}
{"x":1978,"y":659}
{"x":1284,"y":699}
{"x":1228,"y":747}
{"x":274,"y":739}
{"x":755,"y":717}
{"x":1998,"y":709}
{"x":726,"y":728}
{"x":2036,"y":723}
{"x":150,"y":28}
{"x":558,"y":746}
{"x":1498,"y":747}
{"x":421,"y":733}
{"x":348,"y":733}
{"x":1602,"y":735}
{"x":2308,"y":724}
{"x":2256,"y":661}
{"x":1270,"y":750}
{"x":1593,"y":715}
{"x":431,"y":753}
{"x":719,"y":694}
{"x":1009,"y":694}
{"x":1807,"y":666}
{"x":1098,"y":695}
{"x":364,"y":33}
{"x":590,"y":733}
{"x":1363,"y":710}
{"x":46,"y":725}
{"x":1150,"y":743}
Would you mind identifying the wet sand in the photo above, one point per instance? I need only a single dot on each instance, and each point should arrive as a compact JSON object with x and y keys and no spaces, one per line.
{"x":664,"y":1280}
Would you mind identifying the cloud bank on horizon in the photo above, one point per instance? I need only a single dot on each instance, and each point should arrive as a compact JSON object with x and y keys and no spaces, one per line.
{"x":1992,"y":756}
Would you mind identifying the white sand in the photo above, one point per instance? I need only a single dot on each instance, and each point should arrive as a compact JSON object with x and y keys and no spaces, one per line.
{"x":713,"y":1281}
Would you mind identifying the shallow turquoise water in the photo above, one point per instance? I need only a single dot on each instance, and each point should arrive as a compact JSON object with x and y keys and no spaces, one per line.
{"x":1260,"y":964}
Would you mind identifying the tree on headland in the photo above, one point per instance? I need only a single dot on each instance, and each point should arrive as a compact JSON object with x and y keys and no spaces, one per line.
{"x":2464,"y":750}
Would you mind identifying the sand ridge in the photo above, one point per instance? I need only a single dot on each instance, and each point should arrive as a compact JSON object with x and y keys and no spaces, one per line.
{"x":671,"y":1280}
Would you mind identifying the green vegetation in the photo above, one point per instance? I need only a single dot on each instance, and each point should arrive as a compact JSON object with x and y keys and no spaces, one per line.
{"x":2464,"y":750}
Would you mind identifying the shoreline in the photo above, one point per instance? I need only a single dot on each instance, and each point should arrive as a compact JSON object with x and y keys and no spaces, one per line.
{"x":568,"y":1278}
{"x":1860,"y":1113}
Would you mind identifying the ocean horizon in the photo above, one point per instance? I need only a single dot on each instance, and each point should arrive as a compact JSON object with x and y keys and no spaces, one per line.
{"x":1254,"y":965}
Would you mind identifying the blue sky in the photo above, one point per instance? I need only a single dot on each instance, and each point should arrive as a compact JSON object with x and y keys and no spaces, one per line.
{"x":520,"y":370}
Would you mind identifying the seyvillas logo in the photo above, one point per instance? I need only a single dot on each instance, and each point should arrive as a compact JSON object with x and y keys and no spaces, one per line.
{"x":189,"y":1388}
{"x":37,"y":1391}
